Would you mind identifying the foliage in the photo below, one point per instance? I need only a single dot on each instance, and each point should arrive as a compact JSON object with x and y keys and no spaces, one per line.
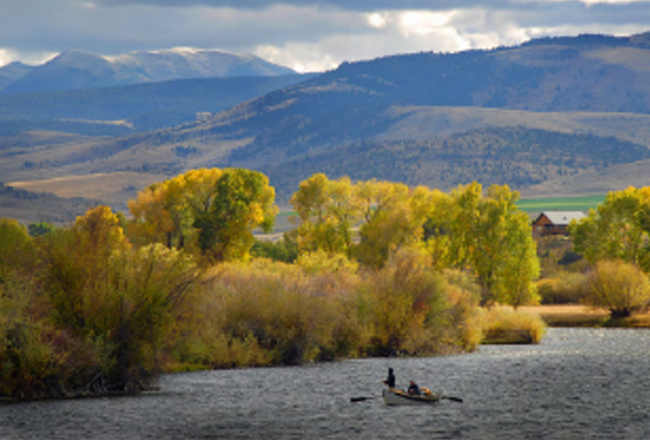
{"x":489,"y":236}
{"x":416,"y":310}
{"x":327,"y":211}
{"x":165,"y":212}
{"x":42,"y":228}
{"x":242,"y":201}
{"x":208,"y":209}
{"x":285,"y":249}
{"x":113,"y":304}
{"x":503,"y":319}
{"x":383,"y":269}
{"x":396,"y":219}
{"x":618,"y":286}
{"x":615,"y":229}
{"x":563,"y":288}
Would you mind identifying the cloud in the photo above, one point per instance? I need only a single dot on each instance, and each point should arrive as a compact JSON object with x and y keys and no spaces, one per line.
{"x":304,"y":34}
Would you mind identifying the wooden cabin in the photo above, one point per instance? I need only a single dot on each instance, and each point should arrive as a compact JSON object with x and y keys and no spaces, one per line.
{"x":554,"y":222}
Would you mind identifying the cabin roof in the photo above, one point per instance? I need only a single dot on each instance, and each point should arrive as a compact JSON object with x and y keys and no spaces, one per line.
{"x":562,"y":217}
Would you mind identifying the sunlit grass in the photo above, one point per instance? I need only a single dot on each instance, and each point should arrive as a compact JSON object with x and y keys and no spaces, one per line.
{"x":583,"y":203}
{"x":505,"y":325}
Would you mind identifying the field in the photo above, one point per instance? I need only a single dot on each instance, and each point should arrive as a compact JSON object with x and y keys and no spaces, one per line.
{"x":582,"y":203}
{"x":575,"y":315}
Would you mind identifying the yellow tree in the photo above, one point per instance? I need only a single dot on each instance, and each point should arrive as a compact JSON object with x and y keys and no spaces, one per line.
{"x":396,"y":219}
{"x":327,"y":211}
{"x":165,"y":212}
{"x":489,"y":236}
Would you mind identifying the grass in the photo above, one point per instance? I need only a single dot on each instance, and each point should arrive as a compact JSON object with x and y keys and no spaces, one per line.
{"x":575,"y":315}
{"x":581,"y":203}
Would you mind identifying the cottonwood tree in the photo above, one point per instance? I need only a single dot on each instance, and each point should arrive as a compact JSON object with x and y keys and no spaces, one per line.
{"x":395,"y":220}
{"x":616,"y":229}
{"x":489,"y":236}
{"x":327,"y":211}
{"x":242,"y":201}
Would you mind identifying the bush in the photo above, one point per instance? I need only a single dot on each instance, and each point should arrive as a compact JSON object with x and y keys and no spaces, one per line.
{"x":621,"y":287}
{"x":564,"y":288}
{"x":502,"y":324}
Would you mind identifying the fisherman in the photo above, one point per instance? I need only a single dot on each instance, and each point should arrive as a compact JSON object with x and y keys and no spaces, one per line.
{"x":414,"y":389}
{"x":390,"y":380}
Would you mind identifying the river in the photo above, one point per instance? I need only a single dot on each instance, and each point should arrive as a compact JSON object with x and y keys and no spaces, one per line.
{"x":576,"y":384}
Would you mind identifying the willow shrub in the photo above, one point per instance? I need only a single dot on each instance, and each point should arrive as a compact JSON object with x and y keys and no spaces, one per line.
{"x":501,"y":320}
{"x":563,"y":288}
{"x":416,"y":310}
{"x":271,"y":313}
{"x":114,"y":307}
{"x":619,"y":286}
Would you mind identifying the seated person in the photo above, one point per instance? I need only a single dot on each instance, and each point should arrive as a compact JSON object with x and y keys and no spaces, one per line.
{"x":414,"y":389}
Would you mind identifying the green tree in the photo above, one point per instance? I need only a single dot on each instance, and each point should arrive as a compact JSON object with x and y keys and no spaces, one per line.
{"x":615,"y":229}
{"x":242,"y":201}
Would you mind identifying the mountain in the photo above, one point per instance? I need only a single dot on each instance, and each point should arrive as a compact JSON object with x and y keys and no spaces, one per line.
{"x":12,"y":72}
{"x":554,"y":116}
{"x":121,"y":110}
{"x":75,"y":69}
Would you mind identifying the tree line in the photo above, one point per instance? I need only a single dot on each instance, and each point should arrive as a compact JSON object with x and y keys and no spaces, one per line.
{"x":372,"y":268}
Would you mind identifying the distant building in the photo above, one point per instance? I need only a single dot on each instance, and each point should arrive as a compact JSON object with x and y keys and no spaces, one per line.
{"x":554,"y":222}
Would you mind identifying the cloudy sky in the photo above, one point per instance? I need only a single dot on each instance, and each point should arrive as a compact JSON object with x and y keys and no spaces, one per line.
{"x":307,"y":35}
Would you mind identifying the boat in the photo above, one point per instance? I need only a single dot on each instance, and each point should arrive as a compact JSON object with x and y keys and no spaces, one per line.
{"x":395,"y":396}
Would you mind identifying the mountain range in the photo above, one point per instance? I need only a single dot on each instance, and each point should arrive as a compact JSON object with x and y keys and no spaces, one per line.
{"x":553,"y":116}
{"x":76,"y":69}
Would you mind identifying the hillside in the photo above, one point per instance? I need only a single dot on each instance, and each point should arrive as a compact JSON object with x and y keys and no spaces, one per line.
{"x":552,"y":116}
{"x":122,"y":110}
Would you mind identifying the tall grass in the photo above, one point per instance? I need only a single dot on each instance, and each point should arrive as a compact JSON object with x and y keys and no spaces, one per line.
{"x":505,"y":323}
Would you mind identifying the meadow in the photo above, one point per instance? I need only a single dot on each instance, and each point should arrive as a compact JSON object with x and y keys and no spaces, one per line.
{"x":578,"y":203}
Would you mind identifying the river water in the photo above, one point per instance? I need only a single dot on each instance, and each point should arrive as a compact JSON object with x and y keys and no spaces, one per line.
{"x":576,"y":384}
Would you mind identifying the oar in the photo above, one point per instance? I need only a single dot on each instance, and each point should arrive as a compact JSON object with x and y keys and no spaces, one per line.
{"x":453,"y":399}
{"x":361,"y":399}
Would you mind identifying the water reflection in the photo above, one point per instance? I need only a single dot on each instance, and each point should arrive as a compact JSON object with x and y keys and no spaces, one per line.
{"x":577,"y":384}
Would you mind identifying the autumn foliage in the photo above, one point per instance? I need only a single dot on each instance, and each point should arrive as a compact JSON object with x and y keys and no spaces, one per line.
{"x":371,"y":269}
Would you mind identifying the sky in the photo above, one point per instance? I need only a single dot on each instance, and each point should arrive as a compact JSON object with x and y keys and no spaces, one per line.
{"x":306,"y":35}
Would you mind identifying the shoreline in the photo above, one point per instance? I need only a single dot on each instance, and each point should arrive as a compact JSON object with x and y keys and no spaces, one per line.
{"x":577,"y":315}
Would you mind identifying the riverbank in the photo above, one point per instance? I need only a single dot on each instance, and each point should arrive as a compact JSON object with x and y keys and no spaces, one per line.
{"x":575,"y":315}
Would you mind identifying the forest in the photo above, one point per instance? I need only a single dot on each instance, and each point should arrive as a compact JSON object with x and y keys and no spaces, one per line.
{"x":372,"y":268}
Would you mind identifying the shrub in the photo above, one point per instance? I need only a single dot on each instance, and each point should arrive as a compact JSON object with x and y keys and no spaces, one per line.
{"x":500,"y":324}
{"x":564,"y":288}
{"x":618,"y":286}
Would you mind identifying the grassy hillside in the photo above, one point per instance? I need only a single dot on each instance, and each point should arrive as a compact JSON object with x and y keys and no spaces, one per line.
{"x":141,"y":107}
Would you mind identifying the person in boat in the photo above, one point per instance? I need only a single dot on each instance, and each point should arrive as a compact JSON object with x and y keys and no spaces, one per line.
{"x":414,"y":389}
{"x":390,"y":380}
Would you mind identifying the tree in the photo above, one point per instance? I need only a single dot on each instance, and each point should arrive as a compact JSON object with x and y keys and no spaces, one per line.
{"x":327,"y":211}
{"x":488,"y":235}
{"x":396,"y":220}
{"x":619,"y":286}
{"x":242,"y":201}
{"x":165,"y":212}
{"x":616,"y":229}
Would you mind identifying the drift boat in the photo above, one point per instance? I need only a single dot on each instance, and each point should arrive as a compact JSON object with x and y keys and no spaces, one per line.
{"x":394,"y":396}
